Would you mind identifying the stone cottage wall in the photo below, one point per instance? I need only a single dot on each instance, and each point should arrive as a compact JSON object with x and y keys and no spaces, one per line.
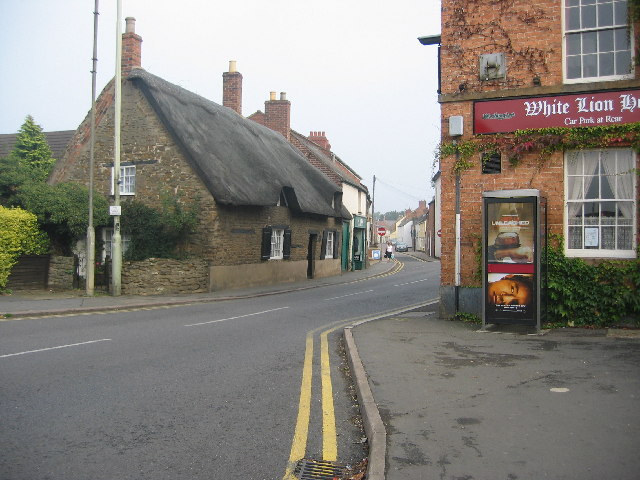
{"x":156,"y":276}
{"x":61,"y":272}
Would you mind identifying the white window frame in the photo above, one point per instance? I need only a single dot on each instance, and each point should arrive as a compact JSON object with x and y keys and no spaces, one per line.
{"x":572,"y":180}
{"x":566,"y":4}
{"x":277,"y":244}
{"x":107,"y":238}
{"x":127,"y":180}
{"x":328,"y":253}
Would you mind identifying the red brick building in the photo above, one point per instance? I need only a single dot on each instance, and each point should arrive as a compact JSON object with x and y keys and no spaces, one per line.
{"x":508,"y":65}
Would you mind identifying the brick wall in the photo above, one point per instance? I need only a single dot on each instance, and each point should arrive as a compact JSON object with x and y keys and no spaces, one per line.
{"x":530,"y":36}
{"x":529,"y":33}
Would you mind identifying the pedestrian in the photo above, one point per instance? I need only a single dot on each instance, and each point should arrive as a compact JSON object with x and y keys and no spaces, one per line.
{"x":388,"y":254}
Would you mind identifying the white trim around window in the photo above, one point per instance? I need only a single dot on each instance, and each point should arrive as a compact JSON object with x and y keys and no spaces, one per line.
{"x":330,"y":245}
{"x":127,"y":180}
{"x":600,"y":203}
{"x":277,"y":244}
{"x":597,"y":44}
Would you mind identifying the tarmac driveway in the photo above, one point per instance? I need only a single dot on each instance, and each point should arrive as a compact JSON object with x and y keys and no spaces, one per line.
{"x":462,"y":404}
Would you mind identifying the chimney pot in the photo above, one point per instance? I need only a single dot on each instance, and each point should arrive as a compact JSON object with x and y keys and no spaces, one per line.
{"x":232,"y":66}
{"x":283,"y":95}
{"x":272,"y":96}
{"x":131,"y":25}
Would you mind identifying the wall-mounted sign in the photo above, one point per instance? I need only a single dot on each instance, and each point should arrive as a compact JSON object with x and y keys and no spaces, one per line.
{"x":359,"y":222}
{"x":577,"y":110}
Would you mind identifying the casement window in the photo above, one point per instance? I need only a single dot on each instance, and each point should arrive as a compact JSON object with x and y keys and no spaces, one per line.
{"x":276,"y":243}
{"x":597,"y":40}
{"x":127,"y":180}
{"x":600,"y":211}
{"x":330,"y":243}
{"x":329,"y":247}
{"x":107,"y":238}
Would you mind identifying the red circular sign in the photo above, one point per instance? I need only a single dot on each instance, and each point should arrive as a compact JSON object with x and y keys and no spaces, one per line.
{"x":440,"y":232}
{"x":382,"y":231}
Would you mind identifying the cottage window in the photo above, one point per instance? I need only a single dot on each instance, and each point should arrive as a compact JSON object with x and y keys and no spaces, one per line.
{"x":127,"y":180}
{"x":330,"y":242}
{"x":276,"y":243}
{"x":107,"y":238}
{"x":597,"y":40}
{"x":277,"y":240}
{"x":329,"y":245}
{"x":600,"y":210}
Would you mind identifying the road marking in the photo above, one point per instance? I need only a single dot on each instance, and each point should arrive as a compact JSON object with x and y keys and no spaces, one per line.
{"x":349,"y":295}
{"x":299,"y":444}
{"x":234,"y":318}
{"x":329,"y":437}
{"x":409,"y":283}
{"x":55,"y":348}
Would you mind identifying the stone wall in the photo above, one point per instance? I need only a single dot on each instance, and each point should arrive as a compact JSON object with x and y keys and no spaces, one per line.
{"x":156,"y":276}
{"x":61,"y":272}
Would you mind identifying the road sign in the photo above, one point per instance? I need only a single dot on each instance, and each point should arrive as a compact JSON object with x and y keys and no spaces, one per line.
{"x":382,"y":231}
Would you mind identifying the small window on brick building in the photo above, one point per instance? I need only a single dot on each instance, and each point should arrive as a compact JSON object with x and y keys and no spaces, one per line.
{"x":491,"y":162}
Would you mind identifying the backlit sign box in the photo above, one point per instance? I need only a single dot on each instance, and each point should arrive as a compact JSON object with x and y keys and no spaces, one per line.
{"x":577,"y":110}
{"x":511,"y":257}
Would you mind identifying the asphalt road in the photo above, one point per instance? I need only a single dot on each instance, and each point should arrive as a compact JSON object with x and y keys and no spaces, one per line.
{"x":207,"y":391}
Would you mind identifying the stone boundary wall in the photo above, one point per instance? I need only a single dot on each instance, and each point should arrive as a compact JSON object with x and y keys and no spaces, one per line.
{"x":156,"y":276}
{"x":61,"y":272}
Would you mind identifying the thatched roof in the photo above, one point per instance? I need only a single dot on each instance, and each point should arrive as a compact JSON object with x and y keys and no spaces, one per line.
{"x":240,"y":161}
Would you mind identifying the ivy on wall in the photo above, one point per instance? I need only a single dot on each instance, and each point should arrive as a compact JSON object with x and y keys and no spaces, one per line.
{"x":544,"y":141}
{"x":583,"y":294}
{"x":465,"y":20}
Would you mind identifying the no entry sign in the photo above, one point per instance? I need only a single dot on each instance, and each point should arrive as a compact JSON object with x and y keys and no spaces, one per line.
{"x":382,"y":231}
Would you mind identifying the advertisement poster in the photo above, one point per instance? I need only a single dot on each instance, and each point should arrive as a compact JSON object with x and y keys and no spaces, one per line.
{"x":510,"y":253}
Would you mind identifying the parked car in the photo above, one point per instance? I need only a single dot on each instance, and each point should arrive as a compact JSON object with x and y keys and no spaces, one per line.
{"x":402,"y":247}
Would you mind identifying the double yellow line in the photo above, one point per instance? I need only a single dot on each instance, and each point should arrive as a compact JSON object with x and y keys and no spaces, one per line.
{"x":329,"y":437}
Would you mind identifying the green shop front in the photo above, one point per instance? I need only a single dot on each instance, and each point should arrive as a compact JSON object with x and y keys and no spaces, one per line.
{"x":359,"y":247}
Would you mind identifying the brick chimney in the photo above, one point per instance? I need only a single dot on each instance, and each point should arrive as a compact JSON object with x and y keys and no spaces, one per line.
{"x":319,"y":138}
{"x":131,"y":47}
{"x":278,"y":114}
{"x":232,"y":88}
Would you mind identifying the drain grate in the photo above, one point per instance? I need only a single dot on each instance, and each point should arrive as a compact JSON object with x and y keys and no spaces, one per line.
{"x":317,"y":470}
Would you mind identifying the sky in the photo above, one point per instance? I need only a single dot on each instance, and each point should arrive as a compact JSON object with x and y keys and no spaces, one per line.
{"x":351,"y":68}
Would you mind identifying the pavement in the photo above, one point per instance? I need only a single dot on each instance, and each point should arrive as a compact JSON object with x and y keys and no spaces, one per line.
{"x":447,"y":400}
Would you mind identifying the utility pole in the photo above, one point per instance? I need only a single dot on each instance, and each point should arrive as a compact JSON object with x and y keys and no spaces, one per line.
{"x":116,"y":240}
{"x":91,"y":234}
{"x":373,"y":212}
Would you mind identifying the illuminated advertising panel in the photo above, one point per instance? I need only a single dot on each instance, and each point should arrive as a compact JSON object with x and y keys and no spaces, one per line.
{"x":511,"y":257}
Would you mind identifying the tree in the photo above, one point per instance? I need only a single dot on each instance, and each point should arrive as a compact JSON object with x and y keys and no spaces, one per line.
{"x":62,"y":211}
{"x":32,"y":150}
{"x":19,"y":235}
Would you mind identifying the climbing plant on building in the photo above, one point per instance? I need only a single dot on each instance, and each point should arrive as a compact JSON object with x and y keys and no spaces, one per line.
{"x":543,"y":141}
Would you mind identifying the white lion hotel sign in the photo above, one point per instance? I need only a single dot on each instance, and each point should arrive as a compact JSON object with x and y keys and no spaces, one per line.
{"x":578,"y":110}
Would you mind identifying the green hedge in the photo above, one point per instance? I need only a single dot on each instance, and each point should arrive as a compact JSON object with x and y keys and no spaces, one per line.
{"x":19,"y":235}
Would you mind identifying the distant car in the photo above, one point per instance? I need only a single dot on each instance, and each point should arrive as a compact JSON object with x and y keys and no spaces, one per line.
{"x":402,"y":247}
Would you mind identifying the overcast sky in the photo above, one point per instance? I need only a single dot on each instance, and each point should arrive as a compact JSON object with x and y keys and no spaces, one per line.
{"x":351,"y":68}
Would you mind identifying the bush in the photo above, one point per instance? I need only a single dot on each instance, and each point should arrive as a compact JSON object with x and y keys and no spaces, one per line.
{"x":19,"y":235}
{"x":598,"y":295}
{"x":154,"y":233}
